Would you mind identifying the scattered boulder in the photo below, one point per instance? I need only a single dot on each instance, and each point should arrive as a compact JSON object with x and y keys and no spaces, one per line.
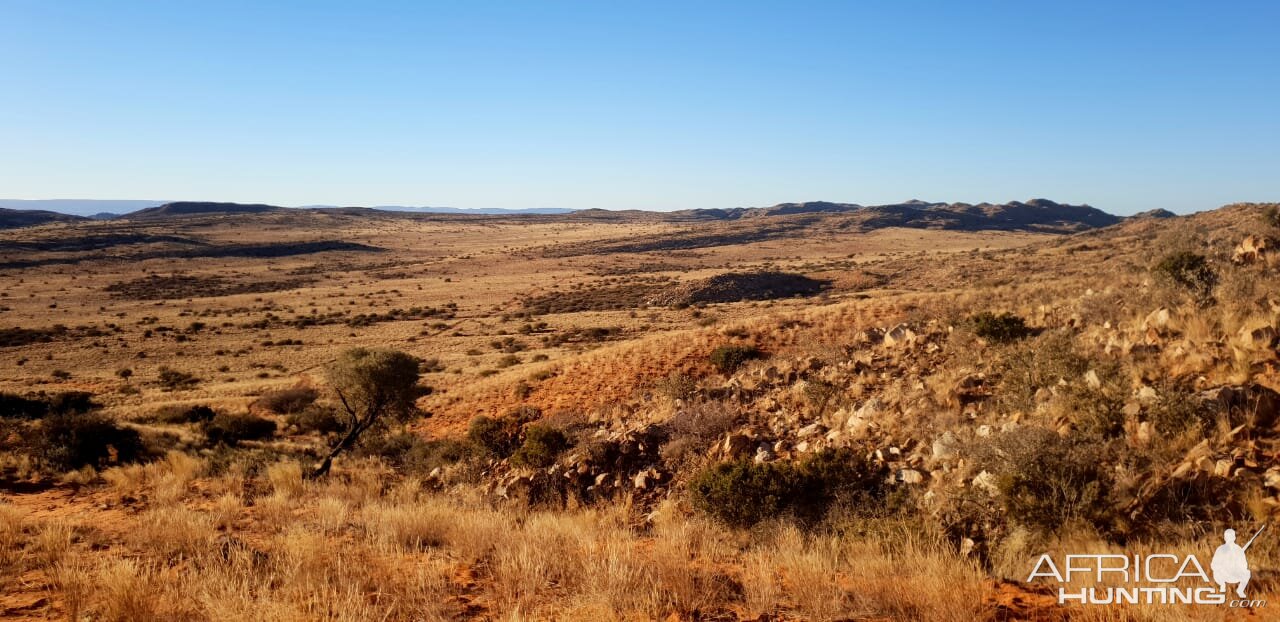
{"x":1252,"y":249}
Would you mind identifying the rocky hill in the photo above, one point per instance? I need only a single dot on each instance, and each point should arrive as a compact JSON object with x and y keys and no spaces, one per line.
{"x":1035,"y":214}
{"x":202,"y":208}
{"x":14,"y":218}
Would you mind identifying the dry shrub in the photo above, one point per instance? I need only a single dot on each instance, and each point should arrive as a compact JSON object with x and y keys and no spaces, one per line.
{"x":287,"y":401}
{"x":286,"y":479}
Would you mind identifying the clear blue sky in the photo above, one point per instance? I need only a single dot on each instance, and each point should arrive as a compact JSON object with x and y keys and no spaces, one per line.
{"x":1124,"y":105}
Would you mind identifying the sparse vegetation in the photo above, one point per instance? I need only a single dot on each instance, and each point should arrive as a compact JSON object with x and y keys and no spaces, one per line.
{"x":232,"y":428}
{"x":729,"y":358}
{"x":1001,"y":328}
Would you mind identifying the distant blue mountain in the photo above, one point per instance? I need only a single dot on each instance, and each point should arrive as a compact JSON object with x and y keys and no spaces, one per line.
{"x":96,"y":208}
{"x":481,"y":211}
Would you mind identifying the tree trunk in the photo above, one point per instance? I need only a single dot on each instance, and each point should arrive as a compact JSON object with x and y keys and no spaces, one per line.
{"x":344,"y":444}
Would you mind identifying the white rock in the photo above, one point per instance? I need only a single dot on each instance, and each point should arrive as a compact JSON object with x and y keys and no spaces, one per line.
{"x":946,"y":446}
{"x":1091,"y":379}
{"x":986,"y":482}
{"x":910,"y":476}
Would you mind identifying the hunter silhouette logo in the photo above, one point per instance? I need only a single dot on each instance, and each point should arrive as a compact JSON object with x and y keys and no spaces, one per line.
{"x":1230,"y":564}
{"x":1154,"y":579}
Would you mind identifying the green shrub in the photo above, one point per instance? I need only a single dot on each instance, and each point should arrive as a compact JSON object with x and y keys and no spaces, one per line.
{"x":497,"y":437}
{"x":318,"y":419}
{"x":19,"y":407}
{"x":1002,"y":328}
{"x":728,"y":359}
{"x":542,"y":445}
{"x":1188,"y":271}
{"x":1047,"y":481}
{"x":185,"y":414}
{"x":410,"y":452}
{"x":70,"y":441}
{"x":173,"y":380}
{"x":42,"y":405}
{"x":287,"y":401}
{"x":743,"y":493}
{"x":230,"y":429}
{"x":1271,"y":216}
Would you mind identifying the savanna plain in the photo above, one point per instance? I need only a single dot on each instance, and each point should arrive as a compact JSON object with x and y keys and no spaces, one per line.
{"x":801,"y":414}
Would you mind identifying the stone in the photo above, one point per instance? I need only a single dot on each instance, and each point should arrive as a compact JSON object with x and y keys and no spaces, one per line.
{"x":945,"y":446}
{"x":1251,"y":249}
{"x":810,"y":430}
{"x":986,"y":482}
{"x":910,"y":476}
{"x":1091,"y":379}
{"x":898,"y":336}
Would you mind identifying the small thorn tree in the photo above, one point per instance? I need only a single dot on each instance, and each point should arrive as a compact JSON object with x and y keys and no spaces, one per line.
{"x":373,"y":386}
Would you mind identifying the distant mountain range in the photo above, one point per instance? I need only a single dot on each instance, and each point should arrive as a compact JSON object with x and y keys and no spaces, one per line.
{"x":1034,"y":214}
{"x":1015,"y":214}
{"x":99,"y":209}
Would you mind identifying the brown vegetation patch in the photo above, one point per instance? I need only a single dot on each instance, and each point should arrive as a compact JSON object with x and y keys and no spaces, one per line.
{"x":603,"y":296}
{"x":179,"y":286}
{"x":736,"y":286}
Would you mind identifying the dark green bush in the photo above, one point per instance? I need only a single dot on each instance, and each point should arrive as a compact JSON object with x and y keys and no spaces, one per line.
{"x":743,"y":493}
{"x":1190,"y":272}
{"x":542,"y":445}
{"x":1047,"y":481}
{"x":230,"y":429}
{"x":42,"y":405}
{"x":1271,"y":216}
{"x":287,"y":401}
{"x":18,"y":407}
{"x":318,"y":419}
{"x":185,"y":414}
{"x":172,"y":379}
{"x":70,"y":441}
{"x":500,"y":437}
{"x":1001,"y":328}
{"x":410,"y":452}
{"x":729,"y":358}
{"x":497,"y":437}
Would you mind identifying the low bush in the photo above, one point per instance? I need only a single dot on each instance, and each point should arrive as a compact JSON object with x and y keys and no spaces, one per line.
{"x":173,"y":380}
{"x":318,"y":419}
{"x":1046,"y":481}
{"x":728,"y":359}
{"x":412,"y":453}
{"x":542,"y":445}
{"x":70,"y":441}
{"x":42,"y":405}
{"x":743,"y":493}
{"x":287,"y":401}
{"x":1002,"y":328}
{"x":497,"y":437}
{"x":231,"y":429}
{"x":1190,"y":272}
{"x":184,"y":414}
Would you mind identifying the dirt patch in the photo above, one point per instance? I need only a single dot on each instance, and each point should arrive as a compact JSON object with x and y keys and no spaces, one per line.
{"x":736,"y":286}
{"x":179,"y":286}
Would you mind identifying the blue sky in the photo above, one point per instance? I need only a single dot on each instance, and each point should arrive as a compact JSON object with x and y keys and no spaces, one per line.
{"x":1124,"y":105}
